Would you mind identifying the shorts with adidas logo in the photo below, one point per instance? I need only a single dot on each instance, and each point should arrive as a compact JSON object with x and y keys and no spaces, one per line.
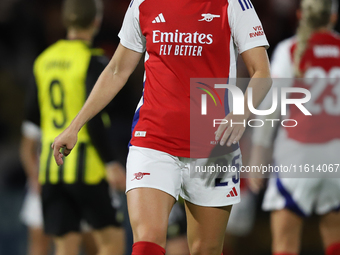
{"x":149,"y":168}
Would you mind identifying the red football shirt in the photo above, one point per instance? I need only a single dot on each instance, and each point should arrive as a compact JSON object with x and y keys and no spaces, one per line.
{"x":183,"y":39}
{"x":320,"y":69}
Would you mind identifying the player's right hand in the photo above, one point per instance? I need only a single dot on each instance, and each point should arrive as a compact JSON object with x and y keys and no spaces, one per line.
{"x":66,"y":140}
{"x":229,"y":134}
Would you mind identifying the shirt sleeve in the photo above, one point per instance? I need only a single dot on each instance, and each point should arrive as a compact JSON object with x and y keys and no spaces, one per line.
{"x":246,"y":27}
{"x":30,"y":130}
{"x":281,"y":62}
{"x":96,"y":128}
{"x":130,"y":34}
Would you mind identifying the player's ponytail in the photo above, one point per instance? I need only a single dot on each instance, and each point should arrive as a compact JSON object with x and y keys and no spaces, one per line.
{"x":315,"y":15}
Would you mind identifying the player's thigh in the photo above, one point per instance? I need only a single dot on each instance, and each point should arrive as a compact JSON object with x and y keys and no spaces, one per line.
{"x":88,"y":243}
{"x":68,"y":244}
{"x":328,"y":196}
{"x":110,"y":240}
{"x":206,"y":228}
{"x":149,"y":211}
{"x":286,"y":227}
{"x":328,"y":200}
{"x":330,"y":228}
{"x":208,"y":200}
{"x":39,"y":242}
{"x":177,"y":243}
{"x":153,"y":185}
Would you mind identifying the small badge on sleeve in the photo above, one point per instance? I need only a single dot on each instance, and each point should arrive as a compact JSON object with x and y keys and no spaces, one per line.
{"x":140,"y":133}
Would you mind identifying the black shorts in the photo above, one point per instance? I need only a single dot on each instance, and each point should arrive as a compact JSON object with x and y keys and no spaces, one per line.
{"x":66,"y":205}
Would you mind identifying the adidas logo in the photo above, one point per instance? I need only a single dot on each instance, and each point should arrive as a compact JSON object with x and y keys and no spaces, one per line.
{"x":232,"y":193}
{"x":159,"y":19}
{"x":140,"y":133}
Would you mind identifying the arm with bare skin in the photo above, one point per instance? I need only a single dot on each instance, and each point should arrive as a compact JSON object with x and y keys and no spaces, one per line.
{"x":257,"y":63}
{"x":110,"y":82}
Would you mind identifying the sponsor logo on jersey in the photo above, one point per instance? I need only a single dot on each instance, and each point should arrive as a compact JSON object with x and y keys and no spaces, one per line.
{"x":208,"y":17}
{"x":139,"y":175}
{"x":245,"y":4}
{"x":179,"y":37}
{"x":189,"y":44}
{"x":140,"y":133}
{"x":258,"y":31}
{"x":232,"y":193}
{"x":159,"y":19}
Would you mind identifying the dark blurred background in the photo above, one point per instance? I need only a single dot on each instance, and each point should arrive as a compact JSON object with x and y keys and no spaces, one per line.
{"x":27,"y":27}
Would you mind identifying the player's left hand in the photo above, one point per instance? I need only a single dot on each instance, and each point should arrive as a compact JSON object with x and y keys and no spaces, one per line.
{"x":66,"y":142}
{"x":116,"y":176}
{"x":232,"y":131}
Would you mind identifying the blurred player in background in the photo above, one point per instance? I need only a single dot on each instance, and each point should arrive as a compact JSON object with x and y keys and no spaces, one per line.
{"x":313,"y":54}
{"x":177,"y":243}
{"x":64,"y":76}
{"x":31,"y":214}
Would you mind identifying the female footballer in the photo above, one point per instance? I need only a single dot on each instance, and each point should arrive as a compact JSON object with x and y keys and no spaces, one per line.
{"x":313,"y":56}
{"x":181,"y":40}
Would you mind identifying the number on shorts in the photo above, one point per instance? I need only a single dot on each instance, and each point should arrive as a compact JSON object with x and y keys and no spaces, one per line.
{"x":236,"y":163}
{"x":218,"y":181}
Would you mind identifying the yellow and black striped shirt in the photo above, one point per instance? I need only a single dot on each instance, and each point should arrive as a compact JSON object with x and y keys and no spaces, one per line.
{"x":64,"y":76}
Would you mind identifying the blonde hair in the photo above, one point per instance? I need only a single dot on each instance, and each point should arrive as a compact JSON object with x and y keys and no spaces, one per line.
{"x":80,"y":14}
{"x":315,"y":15}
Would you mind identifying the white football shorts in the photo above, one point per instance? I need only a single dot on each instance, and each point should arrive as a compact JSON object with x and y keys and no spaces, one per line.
{"x":149,"y":168}
{"x":31,"y":212}
{"x":303,"y":195}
